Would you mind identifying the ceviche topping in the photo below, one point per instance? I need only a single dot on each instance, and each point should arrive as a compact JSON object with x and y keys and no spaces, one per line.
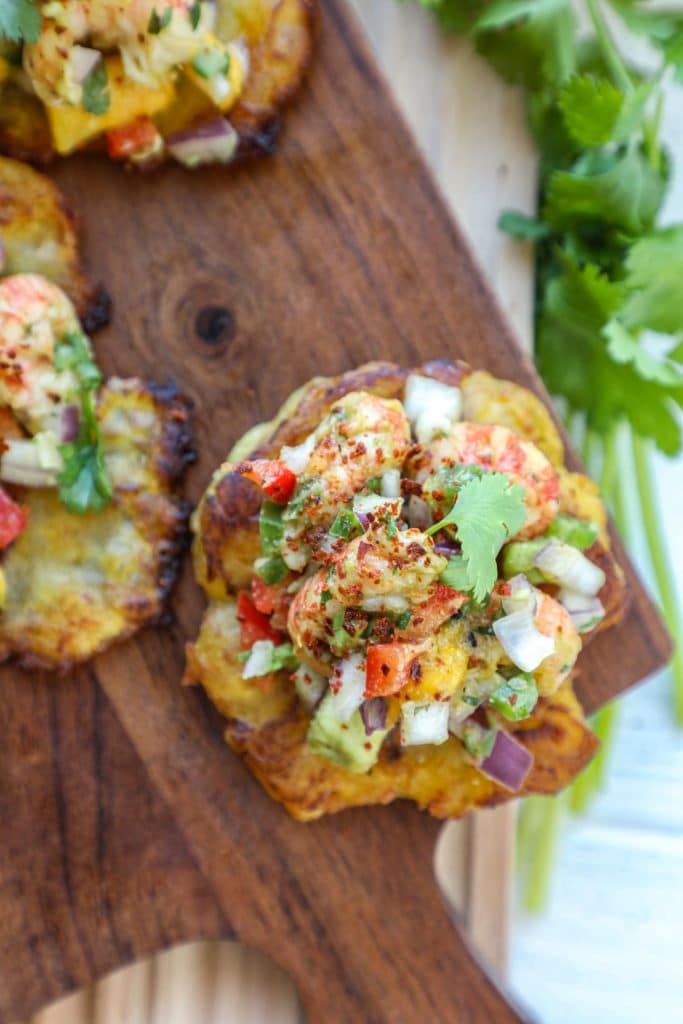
{"x":416,"y":580}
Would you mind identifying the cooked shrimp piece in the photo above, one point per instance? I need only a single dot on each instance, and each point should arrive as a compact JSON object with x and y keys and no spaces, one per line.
{"x":497,"y":448}
{"x":373,"y":574}
{"x":552,"y":619}
{"x":35,"y":316}
{"x":149,"y":50}
{"x":362,"y":437}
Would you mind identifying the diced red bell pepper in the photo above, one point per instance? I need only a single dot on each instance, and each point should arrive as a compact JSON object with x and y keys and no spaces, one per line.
{"x":132,"y":138}
{"x":263,"y":595}
{"x":254,"y":625}
{"x":13,"y":519}
{"x":388,"y":667}
{"x":272,"y":476}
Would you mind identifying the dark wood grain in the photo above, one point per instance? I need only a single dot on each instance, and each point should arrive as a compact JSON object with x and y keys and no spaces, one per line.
{"x":126,"y":824}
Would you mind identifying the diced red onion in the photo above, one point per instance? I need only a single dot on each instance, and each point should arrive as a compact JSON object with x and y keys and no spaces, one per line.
{"x":446,"y":547}
{"x":418,"y":513}
{"x":363,"y":519}
{"x":213,"y":141}
{"x":374,"y":714}
{"x":83,"y":60}
{"x":424,"y":722}
{"x":522,"y":641}
{"x":509,"y":762}
{"x":586,"y":612}
{"x":347,"y":686}
{"x":69,"y":423}
{"x":567,"y":566}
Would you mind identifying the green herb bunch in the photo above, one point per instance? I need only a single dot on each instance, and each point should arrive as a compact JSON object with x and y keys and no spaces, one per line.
{"x":609,"y":308}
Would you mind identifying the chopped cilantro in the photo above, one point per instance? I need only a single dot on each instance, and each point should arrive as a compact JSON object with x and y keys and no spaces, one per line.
{"x":83,"y":481}
{"x":403,"y":619}
{"x":195,"y":15}
{"x":488,"y":509}
{"x":19,"y":20}
{"x":374,"y":484}
{"x":325,"y":597}
{"x":95,"y":97}
{"x":158,"y":22}
{"x":391,"y":527}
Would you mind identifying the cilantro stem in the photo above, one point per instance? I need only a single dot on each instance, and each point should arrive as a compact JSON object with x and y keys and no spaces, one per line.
{"x":540,"y":830}
{"x":609,"y":51}
{"x":659,"y":557}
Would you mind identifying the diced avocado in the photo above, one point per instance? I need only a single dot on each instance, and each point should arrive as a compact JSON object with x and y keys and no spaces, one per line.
{"x":345,"y":743}
{"x":518,"y":557}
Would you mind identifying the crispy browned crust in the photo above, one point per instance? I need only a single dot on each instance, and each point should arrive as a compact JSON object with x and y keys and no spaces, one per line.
{"x":279,"y":60}
{"x":441,"y":781}
{"x":24,"y":129}
{"x":66,"y":601}
{"x":39,"y":233}
{"x":269,"y":729}
{"x":278,"y":65}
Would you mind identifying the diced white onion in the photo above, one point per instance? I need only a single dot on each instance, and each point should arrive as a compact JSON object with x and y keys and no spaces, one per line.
{"x":522,"y":641}
{"x":32,"y":462}
{"x":431,"y":406}
{"x":296,"y":458}
{"x":259,"y":661}
{"x":567,"y":566}
{"x":418,"y":513}
{"x":481,"y":688}
{"x":424,"y":722}
{"x":375,"y":504}
{"x":309,"y":685}
{"x":394,"y":603}
{"x":522,"y":596}
{"x":586,"y":612}
{"x":391,"y":483}
{"x":83,"y":60}
{"x":347,"y":686}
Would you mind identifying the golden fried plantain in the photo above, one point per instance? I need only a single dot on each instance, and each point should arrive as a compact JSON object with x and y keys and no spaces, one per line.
{"x":38,"y":235}
{"x":76,"y":584}
{"x":268,"y":725}
{"x":280,"y":35}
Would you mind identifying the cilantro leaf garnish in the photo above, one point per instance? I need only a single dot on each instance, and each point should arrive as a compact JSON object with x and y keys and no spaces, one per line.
{"x":19,"y":20}
{"x":487,"y":511}
{"x":96,"y":98}
{"x":84,"y":485}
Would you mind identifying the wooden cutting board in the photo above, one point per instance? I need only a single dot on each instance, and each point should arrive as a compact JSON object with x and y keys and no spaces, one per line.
{"x":126,"y":824}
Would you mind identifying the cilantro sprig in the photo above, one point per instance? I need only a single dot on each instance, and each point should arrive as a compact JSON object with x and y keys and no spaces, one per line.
{"x":488,"y":510}
{"x":84,"y":485}
{"x":19,"y":20}
{"x":609,"y":315}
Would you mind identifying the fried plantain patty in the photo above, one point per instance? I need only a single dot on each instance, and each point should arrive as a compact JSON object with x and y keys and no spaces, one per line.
{"x":268,"y":725}
{"x":38,"y":235}
{"x":76,"y":584}
{"x":280,"y":35}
